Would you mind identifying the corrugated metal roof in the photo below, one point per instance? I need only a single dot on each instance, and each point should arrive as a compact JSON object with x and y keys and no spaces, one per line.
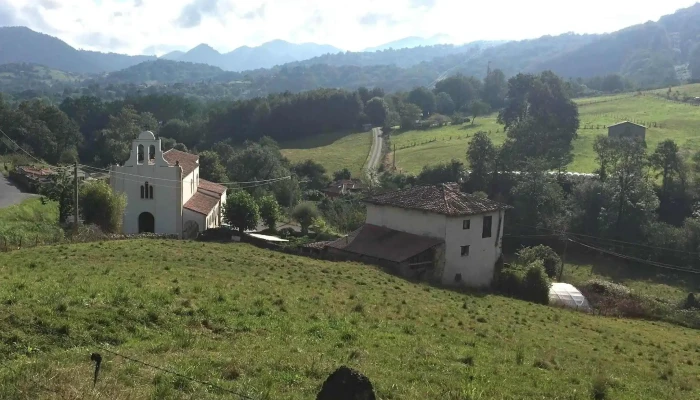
{"x":384,"y":243}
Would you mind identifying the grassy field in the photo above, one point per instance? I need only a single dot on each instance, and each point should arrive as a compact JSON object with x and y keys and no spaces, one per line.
{"x":273,"y":326}
{"x":415,"y":149}
{"x":333,"y":151}
{"x":674,"y":121}
{"x":29,"y":222}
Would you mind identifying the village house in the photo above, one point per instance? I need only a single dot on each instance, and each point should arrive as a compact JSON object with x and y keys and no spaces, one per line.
{"x":343,"y":187}
{"x":434,"y":232}
{"x":627,"y":129}
{"x":164,"y":191}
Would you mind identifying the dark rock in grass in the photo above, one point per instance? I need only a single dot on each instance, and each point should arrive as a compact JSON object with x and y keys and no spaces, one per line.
{"x":346,"y":384}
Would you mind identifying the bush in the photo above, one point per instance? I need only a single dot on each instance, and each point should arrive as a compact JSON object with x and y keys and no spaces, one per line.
{"x":304,"y":214}
{"x":550,"y":259}
{"x":509,"y":282}
{"x":536,"y":284}
{"x":269,"y":212}
{"x":99,"y":205}
{"x":528,"y":283}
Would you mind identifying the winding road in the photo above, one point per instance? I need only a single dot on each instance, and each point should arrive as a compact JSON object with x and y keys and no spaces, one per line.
{"x":9,"y":194}
{"x":375,"y":152}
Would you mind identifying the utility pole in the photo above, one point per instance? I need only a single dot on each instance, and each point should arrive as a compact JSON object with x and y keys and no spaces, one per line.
{"x":75,"y":205}
{"x":394,"y":158}
{"x":563,"y":256}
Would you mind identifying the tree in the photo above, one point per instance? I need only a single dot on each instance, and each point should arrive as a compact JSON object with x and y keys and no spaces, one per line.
{"x":101,"y":206}
{"x":612,"y":83}
{"x":423,"y":98}
{"x":377,"y":111}
{"x":180,"y":131}
{"x":481,"y":155}
{"x":342,"y":174}
{"x":538,"y":199}
{"x":211,"y":168}
{"x":61,"y":189}
{"x":270,"y":212}
{"x":539,"y":118}
{"x":305,"y":213}
{"x":444,"y":103}
{"x":477,"y":108}
{"x":606,"y":155}
{"x":441,"y":173}
{"x":241,"y":211}
{"x":409,"y":114}
{"x":495,"y":88}
{"x":629,"y":201}
{"x":314,"y":172}
{"x":461,"y":89}
{"x":667,"y":161}
{"x":115,"y":140}
{"x":695,"y":64}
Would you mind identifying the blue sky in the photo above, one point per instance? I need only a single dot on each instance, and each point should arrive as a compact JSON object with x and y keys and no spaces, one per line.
{"x":158,"y":26}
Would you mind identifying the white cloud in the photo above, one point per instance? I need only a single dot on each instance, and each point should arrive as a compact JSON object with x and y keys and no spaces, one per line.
{"x":131,"y":26}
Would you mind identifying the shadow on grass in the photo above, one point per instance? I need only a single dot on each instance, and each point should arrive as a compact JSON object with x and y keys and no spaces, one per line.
{"x":312,"y":142}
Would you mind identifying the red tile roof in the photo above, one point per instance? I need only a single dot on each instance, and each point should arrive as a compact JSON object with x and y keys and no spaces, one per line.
{"x":211,"y":187}
{"x":442,"y":199}
{"x":384,"y":243}
{"x":188,"y":161}
{"x":201,"y":203}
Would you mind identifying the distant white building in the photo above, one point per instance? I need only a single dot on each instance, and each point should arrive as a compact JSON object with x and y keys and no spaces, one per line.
{"x":164,"y":193}
{"x":432,"y":232}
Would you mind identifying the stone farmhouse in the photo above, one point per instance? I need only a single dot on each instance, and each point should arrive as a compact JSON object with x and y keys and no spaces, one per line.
{"x":627,"y":129}
{"x":435,"y":233}
{"x":164,"y":192}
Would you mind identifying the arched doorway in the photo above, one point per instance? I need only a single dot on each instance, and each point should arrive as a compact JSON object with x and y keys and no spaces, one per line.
{"x":147,"y":223}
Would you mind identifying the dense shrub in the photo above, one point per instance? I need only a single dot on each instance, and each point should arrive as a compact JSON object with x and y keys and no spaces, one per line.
{"x":535,"y":287}
{"x":550,"y":259}
{"x":524,"y":282}
{"x":101,"y":206}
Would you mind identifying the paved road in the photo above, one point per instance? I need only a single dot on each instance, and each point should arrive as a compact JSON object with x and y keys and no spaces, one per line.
{"x":375,"y":153}
{"x":9,"y":194}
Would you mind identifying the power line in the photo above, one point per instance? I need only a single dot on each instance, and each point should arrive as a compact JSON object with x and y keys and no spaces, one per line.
{"x":581,"y":235}
{"x":175,"y":180}
{"x":23,"y":150}
{"x":201,"y":382}
{"x":639,"y":260}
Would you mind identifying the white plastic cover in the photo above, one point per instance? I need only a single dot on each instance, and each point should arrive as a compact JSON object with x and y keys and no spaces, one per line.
{"x":567,"y":295}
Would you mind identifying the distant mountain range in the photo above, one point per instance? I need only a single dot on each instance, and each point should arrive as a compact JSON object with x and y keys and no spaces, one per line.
{"x":411,"y":42}
{"x":647,"y":54}
{"x":267,"y":55}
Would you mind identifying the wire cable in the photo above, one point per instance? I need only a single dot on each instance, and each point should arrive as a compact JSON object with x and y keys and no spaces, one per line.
{"x":168,"y":371}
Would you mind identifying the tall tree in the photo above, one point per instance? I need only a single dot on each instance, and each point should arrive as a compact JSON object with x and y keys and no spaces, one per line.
{"x":629,"y":198}
{"x":423,"y":98}
{"x":312,"y":171}
{"x":115,"y":140}
{"x":211,"y":168}
{"x":377,"y":111}
{"x":444,"y":104}
{"x":538,"y":199}
{"x":539,"y":118}
{"x":667,"y":161}
{"x":441,"y":173}
{"x":481,"y":155}
{"x":695,"y":64}
{"x":61,"y":189}
{"x":495,"y":88}
{"x":461,"y":89}
{"x":477,"y":108}
{"x":304,"y":214}
{"x":270,"y":212}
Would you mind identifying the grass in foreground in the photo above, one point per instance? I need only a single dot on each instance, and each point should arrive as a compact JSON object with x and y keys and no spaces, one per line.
{"x":30,"y":222}
{"x":334,"y":151}
{"x":274,"y":326}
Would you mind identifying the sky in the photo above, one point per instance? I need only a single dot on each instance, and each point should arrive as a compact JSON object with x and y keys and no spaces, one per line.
{"x":160,"y":26}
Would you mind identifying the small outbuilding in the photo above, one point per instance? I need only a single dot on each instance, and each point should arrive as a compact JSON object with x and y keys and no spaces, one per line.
{"x":627,"y":129}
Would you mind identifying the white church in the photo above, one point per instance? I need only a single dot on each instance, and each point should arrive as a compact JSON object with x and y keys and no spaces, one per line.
{"x":164,"y":193}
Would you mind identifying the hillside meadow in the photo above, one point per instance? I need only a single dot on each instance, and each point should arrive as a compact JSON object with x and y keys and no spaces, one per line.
{"x":269,"y":325}
{"x":333,"y":151}
{"x":418,"y":148}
